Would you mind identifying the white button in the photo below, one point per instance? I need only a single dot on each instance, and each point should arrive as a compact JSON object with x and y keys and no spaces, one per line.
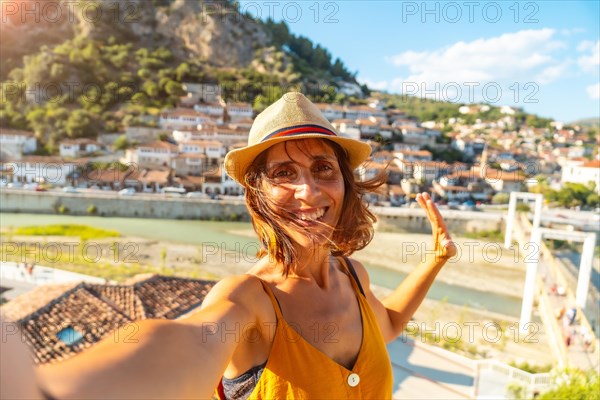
{"x":353,"y":380}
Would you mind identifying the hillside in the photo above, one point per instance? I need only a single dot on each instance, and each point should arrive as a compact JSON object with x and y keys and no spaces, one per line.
{"x":588,"y":122}
{"x":92,"y":72}
{"x":79,"y":76}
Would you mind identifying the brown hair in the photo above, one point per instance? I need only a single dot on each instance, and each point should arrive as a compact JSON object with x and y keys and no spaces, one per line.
{"x":354,"y":229}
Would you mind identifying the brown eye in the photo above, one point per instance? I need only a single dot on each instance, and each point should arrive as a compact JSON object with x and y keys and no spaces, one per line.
{"x":282,"y":175}
{"x":324,"y":170}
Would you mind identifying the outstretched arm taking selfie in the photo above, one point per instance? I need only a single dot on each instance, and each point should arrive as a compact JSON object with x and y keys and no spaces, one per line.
{"x":182,"y":359}
{"x":396,"y":310}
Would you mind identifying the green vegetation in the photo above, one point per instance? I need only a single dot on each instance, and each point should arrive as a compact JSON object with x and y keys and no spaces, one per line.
{"x":96,"y":259}
{"x":571,"y":195}
{"x":574,"y":384}
{"x":82,"y":231}
{"x":492,"y":235}
{"x":121,"y":143}
{"x":92,"y":209}
{"x":308,"y":58}
{"x":532,"y":368}
{"x":449,"y":155}
{"x":501,"y":198}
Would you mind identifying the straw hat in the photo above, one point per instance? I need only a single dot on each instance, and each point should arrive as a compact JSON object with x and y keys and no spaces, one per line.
{"x":290,"y":118}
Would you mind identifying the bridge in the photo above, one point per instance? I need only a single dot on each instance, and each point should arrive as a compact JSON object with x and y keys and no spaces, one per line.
{"x":574,"y":341}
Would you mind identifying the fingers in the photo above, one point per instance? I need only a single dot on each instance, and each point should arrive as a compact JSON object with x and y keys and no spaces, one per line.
{"x":442,"y":241}
{"x":431,"y":210}
{"x":433,"y":214}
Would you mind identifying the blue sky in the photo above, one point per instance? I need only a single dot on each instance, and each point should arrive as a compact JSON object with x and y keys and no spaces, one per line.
{"x":542,"y":56}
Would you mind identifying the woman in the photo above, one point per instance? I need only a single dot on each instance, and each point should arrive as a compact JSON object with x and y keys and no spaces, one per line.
{"x":303,"y":322}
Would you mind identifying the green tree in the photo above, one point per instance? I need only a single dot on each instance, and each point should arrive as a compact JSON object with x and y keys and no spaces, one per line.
{"x":574,"y":384}
{"x":174,"y":88}
{"x":79,"y":124}
{"x":182,"y":71}
{"x":121,"y":143}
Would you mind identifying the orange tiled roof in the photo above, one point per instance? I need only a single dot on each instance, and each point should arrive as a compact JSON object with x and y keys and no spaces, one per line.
{"x":96,"y":310}
{"x":15,"y":132}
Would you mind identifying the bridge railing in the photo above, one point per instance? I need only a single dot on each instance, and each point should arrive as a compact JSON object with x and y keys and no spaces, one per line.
{"x":495,"y":379}
{"x":559,"y":278}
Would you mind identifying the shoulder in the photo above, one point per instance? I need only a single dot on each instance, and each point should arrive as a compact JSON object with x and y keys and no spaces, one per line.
{"x":238,"y":288}
{"x":243,"y":292}
{"x":361,"y":272}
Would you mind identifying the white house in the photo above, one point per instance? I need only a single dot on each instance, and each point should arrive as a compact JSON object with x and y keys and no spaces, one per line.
{"x":403,"y":122}
{"x":368,"y":128}
{"x":158,"y":153}
{"x":504,"y":181}
{"x":331,"y":111}
{"x":239,"y":111}
{"x":74,"y":148}
{"x":40,"y":169}
{"x":417,"y":136}
{"x":216,"y":181}
{"x":347,"y":127}
{"x":180,"y":117}
{"x":507,"y":110}
{"x":414,"y":155}
{"x":582,"y":172}
{"x":214,"y":109}
{"x":210,"y":148}
{"x":14,"y":143}
{"x":363,"y":112}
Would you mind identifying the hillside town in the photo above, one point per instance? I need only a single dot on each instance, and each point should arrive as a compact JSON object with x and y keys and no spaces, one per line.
{"x":181,"y":150}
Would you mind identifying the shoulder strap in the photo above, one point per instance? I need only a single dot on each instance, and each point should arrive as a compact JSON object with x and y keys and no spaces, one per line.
{"x":353,"y":272}
{"x":276,"y":305}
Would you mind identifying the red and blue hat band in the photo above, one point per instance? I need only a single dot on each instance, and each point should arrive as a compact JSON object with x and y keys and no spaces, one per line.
{"x":300,"y":130}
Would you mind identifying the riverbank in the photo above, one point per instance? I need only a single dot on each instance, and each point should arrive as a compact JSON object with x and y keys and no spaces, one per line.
{"x":475,"y":333}
{"x":479,"y":264}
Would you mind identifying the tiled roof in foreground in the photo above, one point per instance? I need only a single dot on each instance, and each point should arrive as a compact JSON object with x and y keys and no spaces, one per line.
{"x":83,"y":314}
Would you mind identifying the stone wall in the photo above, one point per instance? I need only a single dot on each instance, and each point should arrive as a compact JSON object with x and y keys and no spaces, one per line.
{"x":155,"y":206}
{"x":113,"y":205}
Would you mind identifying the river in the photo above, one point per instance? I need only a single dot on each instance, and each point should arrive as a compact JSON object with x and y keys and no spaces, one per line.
{"x":198,"y":232}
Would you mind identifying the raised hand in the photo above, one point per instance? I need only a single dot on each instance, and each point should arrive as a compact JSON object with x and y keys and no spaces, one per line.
{"x":442,"y":242}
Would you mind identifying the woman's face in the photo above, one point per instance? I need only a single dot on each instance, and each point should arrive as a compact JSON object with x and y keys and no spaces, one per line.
{"x":304,"y":178}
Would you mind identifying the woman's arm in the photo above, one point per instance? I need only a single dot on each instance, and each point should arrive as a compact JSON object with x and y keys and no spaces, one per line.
{"x":396,"y":310}
{"x":17,"y":376}
{"x":182,"y":359}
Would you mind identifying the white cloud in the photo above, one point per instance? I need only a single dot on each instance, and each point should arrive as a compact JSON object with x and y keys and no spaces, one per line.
{"x":511,"y":57}
{"x":591,"y":61}
{"x":594,"y":91}
{"x":552,"y":73}
{"x":572,"y":31}
{"x":585,"y":45}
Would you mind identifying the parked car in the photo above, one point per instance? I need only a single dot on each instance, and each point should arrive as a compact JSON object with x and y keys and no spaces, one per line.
{"x":70,"y":189}
{"x":453,"y":205}
{"x":127,"y":192}
{"x":468,"y":205}
{"x":196,"y":195}
{"x":173,"y":191}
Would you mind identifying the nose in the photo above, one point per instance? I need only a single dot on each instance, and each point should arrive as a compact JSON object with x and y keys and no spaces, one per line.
{"x":306,"y":186}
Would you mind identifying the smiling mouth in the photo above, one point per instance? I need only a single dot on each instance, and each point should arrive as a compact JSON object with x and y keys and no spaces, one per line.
{"x":313,"y":216}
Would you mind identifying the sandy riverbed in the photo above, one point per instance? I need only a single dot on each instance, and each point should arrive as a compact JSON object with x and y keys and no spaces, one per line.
{"x":479,"y":335}
{"x":479,"y":264}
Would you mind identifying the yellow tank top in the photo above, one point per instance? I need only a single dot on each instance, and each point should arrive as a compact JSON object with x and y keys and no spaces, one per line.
{"x":296,"y":369}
